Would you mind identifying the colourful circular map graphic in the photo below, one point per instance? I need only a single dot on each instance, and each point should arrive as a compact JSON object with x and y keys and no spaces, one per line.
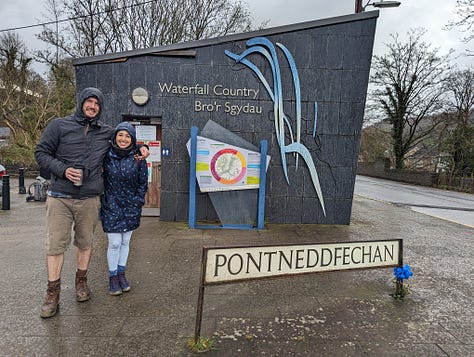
{"x":228,"y":166}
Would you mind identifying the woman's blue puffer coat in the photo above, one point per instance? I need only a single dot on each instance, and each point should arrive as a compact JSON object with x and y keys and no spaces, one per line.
{"x":126,"y":183}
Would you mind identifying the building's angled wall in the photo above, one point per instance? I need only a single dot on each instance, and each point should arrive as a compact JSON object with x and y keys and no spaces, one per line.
{"x":333,"y":63}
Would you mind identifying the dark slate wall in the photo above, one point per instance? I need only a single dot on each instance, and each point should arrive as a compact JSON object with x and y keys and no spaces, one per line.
{"x":333,"y":63}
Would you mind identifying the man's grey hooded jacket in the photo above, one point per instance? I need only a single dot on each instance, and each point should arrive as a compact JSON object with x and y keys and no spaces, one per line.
{"x":76,"y":141}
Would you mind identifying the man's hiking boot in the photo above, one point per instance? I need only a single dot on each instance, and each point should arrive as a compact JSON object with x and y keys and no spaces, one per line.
{"x":51,"y":301}
{"x":82,"y":290}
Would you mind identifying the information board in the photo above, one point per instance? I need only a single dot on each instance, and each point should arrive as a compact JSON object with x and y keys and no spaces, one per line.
{"x":223,"y":167}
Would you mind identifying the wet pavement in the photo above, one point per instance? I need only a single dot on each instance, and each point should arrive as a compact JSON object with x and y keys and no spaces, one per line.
{"x":349,"y":313}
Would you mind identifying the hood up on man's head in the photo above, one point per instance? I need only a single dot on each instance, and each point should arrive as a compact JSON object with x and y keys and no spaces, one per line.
{"x":89,"y":92}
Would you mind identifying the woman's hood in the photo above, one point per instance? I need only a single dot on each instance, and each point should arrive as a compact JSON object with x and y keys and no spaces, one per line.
{"x":129,"y":128}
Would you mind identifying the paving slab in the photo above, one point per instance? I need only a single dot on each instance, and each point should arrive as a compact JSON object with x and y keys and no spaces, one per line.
{"x":347,"y":313}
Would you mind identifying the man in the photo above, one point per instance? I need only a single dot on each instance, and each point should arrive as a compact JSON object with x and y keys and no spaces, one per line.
{"x":72,"y":149}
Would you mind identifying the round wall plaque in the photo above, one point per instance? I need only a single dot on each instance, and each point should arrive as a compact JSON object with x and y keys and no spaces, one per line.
{"x":140,"y":96}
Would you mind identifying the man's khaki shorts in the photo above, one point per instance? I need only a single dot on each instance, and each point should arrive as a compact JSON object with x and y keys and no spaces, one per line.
{"x":63,"y":215}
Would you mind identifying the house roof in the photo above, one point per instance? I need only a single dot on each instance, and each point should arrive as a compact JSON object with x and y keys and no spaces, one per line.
{"x":183,"y":46}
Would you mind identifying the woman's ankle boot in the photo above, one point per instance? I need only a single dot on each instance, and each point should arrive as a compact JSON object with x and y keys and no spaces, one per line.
{"x":114,"y":286}
{"x":123,"y":281}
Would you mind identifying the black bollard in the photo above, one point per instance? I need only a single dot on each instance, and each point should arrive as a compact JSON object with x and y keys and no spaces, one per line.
{"x":21,"y":181}
{"x":6,"y":192}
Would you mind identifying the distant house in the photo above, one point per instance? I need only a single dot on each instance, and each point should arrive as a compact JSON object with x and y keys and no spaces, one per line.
{"x":26,"y":91}
{"x":4,"y":132}
{"x":4,"y":135}
{"x":427,"y":159}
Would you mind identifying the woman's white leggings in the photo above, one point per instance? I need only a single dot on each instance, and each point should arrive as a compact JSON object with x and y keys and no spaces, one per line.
{"x":117,"y":252}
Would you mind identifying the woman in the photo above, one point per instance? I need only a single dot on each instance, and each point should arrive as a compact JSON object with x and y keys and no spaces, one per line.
{"x":126,"y":183}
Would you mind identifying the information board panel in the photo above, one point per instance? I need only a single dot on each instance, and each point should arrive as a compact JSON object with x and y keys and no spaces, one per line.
{"x":223,"y":167}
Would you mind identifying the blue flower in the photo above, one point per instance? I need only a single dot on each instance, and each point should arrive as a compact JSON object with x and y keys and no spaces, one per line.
{"x":402,"y":273}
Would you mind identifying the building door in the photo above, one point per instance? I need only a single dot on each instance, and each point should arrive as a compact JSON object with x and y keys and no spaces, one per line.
{"x":149,"y":132}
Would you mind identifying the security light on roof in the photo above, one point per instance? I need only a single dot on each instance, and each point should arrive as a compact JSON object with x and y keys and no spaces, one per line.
{"x":383,"y":4}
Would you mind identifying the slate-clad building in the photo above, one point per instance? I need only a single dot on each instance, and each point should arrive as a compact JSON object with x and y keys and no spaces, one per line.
{"x":300,"y":87}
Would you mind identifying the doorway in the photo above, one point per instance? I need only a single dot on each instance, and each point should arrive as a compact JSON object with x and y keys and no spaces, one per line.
{"x":148,"y":130}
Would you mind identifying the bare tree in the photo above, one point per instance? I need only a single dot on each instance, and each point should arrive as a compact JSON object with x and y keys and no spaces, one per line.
{"x":61,"y":81}
{"x":134,"y":24}
{"x":464,"y":11}
{"x":408,"y":83}
{"x":51,"y":56}
{"x":103,"y":26}
{"x":212,"y":18}
{"x":460,"y":87}
{"x":14,"y":63}
{"x":62,"y":84}
{"x":24,"y":98}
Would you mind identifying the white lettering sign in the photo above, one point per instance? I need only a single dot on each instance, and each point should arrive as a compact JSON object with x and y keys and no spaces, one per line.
{"x":146,"y":132}
{"x":218,"y":90}
{"x":207,"y":89}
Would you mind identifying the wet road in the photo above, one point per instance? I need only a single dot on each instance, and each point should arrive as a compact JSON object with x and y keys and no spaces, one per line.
{"x":449,"y":205}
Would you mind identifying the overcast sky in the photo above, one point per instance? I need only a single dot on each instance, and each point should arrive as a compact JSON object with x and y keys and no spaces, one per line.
{"x":432,"y":15}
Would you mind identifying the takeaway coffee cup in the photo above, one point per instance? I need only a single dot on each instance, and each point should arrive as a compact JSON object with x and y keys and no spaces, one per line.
{"x":81,"y":170}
